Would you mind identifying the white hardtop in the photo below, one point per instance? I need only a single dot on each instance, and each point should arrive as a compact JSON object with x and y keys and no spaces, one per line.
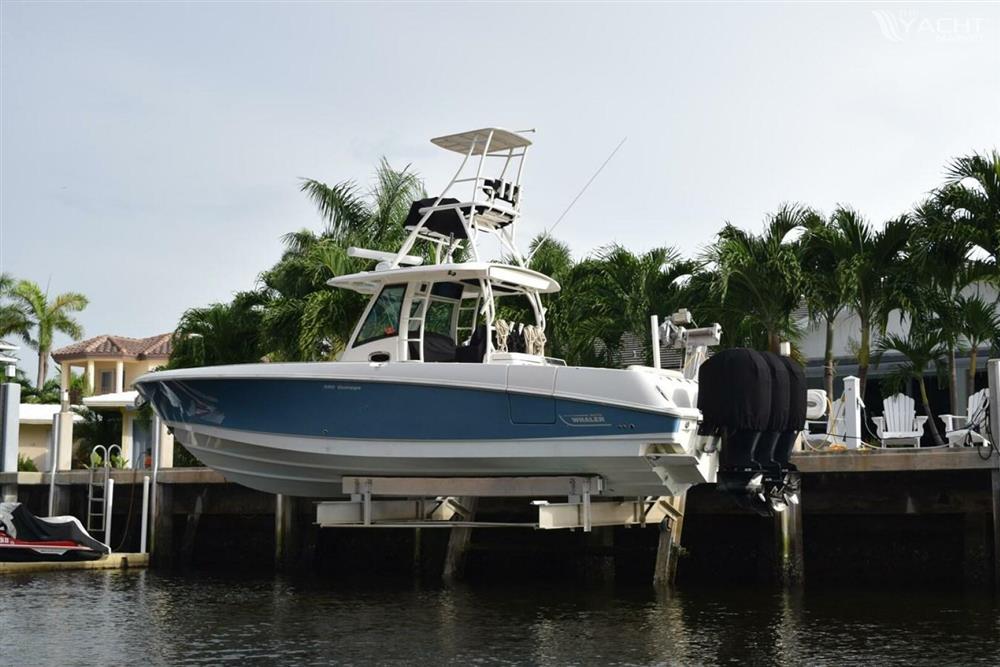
{"x":500,"y":275}
{"x":502,"y":140}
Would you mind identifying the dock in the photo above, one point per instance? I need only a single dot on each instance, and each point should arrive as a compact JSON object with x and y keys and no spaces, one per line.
{"x":906,"y":515}
{"x":109,"y":562}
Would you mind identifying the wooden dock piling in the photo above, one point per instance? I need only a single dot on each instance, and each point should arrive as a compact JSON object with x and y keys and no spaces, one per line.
{"x":790,"y":556}
{"x":995,"y":495}
{"x":458,"y":544}
{"x":668,"y":546}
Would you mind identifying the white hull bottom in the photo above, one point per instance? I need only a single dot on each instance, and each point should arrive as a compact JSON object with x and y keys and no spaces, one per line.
{"x":314,"y":467}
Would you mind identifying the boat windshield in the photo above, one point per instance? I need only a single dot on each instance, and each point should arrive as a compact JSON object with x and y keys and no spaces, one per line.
{"x":383,"y":318}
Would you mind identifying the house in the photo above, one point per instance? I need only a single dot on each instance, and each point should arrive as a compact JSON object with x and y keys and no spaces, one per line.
{"x":111,"y":365}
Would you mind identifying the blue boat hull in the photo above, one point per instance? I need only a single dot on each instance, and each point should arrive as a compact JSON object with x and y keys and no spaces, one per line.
{"x":300,"y":436}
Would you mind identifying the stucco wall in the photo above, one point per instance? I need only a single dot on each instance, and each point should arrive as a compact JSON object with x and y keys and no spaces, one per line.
{"x":136,"y":369}
{"x":34,"y":443}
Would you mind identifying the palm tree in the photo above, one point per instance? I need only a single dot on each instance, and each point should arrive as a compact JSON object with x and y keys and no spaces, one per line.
{"x":972,"y":190}
{"x":303,"y":318}
{"x":14,"y":321}
{"x":920,"y":347}
{"x":980,"y":326}
{"x":939,"y":270}
{"x":873,"y":271}
{"x":48,"y":317}
{"x":825,"y":261}
{"x":222,"y":333}
{"x":374,"y":218}
{"x":616,"y":291}
{"x":758,"y":278}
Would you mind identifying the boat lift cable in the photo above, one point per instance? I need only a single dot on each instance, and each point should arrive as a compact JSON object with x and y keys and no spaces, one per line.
{"x":548,"y":232}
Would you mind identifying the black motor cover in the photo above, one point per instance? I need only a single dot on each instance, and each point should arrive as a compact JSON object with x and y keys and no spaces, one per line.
{"x":734,"y":391}
{"x":796,"y":420}
{"x":780,"y":406}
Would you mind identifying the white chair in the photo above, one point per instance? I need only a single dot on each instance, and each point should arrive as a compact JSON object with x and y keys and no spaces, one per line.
{"x":959,"y":429}
{"x":899,"y":423}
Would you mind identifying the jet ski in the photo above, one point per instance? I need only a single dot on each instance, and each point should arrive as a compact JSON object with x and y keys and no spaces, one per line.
{"x":25,"y":537}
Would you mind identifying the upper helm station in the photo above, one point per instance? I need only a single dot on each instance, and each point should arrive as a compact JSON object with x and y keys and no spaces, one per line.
{"x":445,"y":310}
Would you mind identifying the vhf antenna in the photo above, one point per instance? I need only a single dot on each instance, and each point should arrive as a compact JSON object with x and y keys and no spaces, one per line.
{"x":548,"y":232}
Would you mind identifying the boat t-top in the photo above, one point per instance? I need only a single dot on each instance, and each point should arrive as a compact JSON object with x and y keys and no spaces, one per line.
{"x":433,"y":383}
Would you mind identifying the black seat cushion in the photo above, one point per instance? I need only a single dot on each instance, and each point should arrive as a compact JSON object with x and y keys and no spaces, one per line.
{"x":474,"y":352}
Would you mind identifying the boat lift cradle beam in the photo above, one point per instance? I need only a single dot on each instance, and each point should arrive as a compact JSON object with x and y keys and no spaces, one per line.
{"x":421,"y":502}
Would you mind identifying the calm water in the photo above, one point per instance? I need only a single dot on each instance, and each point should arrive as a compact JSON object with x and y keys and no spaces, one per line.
{"x":142,"y":617}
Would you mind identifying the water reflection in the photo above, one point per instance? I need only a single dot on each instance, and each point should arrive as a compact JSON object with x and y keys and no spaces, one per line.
{"x":119,"y":617}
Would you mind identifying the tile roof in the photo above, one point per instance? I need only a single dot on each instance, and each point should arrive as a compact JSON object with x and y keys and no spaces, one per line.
{"x":153,"y":347}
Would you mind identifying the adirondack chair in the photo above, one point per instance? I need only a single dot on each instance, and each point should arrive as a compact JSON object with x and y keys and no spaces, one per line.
{"x":899,"y":423}
{"x":960,"y":429}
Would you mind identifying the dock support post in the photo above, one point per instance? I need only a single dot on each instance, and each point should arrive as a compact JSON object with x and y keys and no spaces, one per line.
{"x":161,"y":538}
{"x":458,"y":544}
{"x":418,"y":566}
{"x":284,"y":532}
{"x":8,"y":493}
{"x":10,"y":405}
{"x":109,"y":510}
{"x":993,"y":377}
{"x":995,"y":494}
{"x":191,"y":530}
{"x":669,"y":544}
{"x":664,"y":547}
{"x":144,"y":524}
{"x":790,"y":559}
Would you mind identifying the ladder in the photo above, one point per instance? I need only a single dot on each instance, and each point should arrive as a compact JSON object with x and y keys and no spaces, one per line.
{"x":462,"y":315}
{"x":97,"y":491}
{"x":421,"y":300}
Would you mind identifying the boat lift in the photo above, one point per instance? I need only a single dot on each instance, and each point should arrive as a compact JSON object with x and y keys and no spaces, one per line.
{"x":437,"y":502}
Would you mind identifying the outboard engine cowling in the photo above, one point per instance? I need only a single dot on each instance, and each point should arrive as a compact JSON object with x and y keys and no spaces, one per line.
{"x":798,"y":402}
{"x":756,"y":403}
{"x":778,"y":419}
{"x":734,"y":396}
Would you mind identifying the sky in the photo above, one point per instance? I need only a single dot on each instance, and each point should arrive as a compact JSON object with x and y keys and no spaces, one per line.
{"x":151,"y":152}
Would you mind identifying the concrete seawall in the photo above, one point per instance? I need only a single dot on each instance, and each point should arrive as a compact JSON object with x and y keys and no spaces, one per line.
{"x":884,"y":517}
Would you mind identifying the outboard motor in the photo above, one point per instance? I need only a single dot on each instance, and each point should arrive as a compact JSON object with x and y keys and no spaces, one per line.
{"x":788,"y":491}
{"x":734,"y":396}
{"x":776,"y":423}
{"x":756,"y":403}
